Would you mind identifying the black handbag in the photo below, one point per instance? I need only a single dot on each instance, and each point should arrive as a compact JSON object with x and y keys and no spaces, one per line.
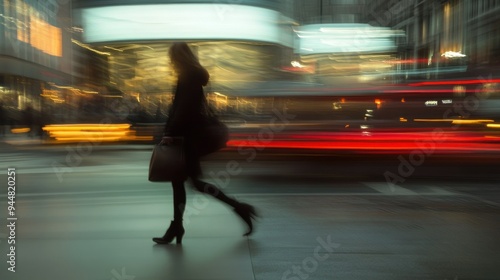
{"x":214,"y":133}
{"x":214,"y":136}
{"x":168,"y":162}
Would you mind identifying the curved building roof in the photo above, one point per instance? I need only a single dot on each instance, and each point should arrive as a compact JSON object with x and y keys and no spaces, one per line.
{"x":276,"y":5}
{"x":187,"y":21}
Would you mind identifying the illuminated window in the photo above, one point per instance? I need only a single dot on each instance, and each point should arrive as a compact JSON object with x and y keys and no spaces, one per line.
{"x":29,"y":25}
{"x":22,"y":22}
{"x":45,"y":37}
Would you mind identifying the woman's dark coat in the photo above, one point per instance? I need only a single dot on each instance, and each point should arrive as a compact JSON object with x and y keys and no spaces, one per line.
{"x":186,"y":115}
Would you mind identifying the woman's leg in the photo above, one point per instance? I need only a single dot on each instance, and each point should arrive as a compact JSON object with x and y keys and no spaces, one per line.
{"x":194,"y":172}
{"x":246,"y":212}
{"x":212,"y":190}
{"x":175,"y":230}
{"x":179,"y":193}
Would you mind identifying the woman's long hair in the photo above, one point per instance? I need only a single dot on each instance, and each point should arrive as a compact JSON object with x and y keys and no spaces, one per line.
{"x":182,"y":57}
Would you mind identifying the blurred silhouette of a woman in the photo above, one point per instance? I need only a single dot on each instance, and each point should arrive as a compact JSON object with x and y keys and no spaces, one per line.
{"x":186,"y":120}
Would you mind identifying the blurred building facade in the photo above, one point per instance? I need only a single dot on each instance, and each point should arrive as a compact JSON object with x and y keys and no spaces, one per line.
{"x":35,"y":51}
{"x":334,"y":40}
{"x":104,"y":48}
{"x":442,"y":37}
{"x":329,"y":11}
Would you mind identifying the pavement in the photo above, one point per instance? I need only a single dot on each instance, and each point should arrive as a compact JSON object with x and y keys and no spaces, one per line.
{"x":97,"y":222}
{"x":341,"y":235}
{"x":20,"y":139}
{"x":427,"y":232}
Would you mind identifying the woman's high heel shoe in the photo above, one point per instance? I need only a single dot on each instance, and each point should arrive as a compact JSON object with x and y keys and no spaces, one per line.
{"x":176,"y":230}
{"x":247,"y":213}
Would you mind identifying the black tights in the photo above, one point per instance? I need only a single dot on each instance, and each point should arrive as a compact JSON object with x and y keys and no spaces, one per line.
{"x":201,"y":186}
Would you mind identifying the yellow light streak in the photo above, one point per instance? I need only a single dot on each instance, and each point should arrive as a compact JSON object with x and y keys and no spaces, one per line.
{"x":493,"y":125}
{"x":433,"y":120}
{"x":93,"y":132}
{"x":471,"y":121}
{"x":455,"y":121}
{"x":89,"y":48}
{"x":81,"y":127}
{"x":20,"y":130}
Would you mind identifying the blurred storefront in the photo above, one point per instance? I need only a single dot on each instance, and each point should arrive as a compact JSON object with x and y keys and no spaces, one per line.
{"x":240,"y":44}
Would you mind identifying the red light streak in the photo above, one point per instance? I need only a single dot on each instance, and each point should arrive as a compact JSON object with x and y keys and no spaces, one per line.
{"x":427,"y":91}
{"x":375,"y":142}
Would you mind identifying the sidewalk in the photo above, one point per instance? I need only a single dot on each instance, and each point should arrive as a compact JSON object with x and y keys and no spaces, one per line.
{"x":364,"y":236}
{"x":21,"y":139}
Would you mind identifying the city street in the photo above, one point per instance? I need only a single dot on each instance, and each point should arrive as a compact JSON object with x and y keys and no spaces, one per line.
{"x":91,"y":213}
{"x":366,"y":134}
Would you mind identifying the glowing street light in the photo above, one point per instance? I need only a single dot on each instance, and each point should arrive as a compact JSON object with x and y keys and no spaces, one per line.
{"x":451,"y":54}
